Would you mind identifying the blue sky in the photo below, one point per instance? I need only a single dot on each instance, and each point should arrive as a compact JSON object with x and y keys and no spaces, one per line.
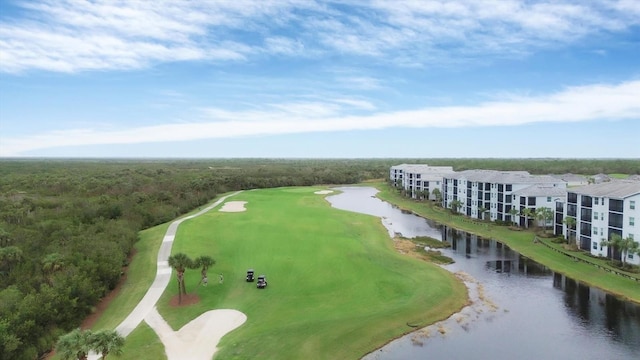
{"x":289,"y":78}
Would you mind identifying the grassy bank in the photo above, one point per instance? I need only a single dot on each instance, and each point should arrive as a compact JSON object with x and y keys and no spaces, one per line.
{"x":337,"y":287}
{"x":522,"y":242}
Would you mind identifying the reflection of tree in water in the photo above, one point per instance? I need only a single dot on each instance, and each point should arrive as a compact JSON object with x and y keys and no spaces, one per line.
{"x":600,"y":312}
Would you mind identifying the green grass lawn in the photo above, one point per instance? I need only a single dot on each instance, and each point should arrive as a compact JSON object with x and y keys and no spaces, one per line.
{"x":522,"y":242}
{"x":337,"y":288}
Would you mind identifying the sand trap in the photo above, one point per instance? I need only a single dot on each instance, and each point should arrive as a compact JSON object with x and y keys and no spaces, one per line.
{"x":323,"y":192}
{"x":197,"y":340}
{"x":233,"y":206}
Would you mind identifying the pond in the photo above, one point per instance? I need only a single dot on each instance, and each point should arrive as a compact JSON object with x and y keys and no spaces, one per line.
{"x":520,"y":310}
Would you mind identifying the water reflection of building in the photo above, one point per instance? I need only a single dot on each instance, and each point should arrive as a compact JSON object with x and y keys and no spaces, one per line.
{"x":502,"y":258}
{"x":594,"y":310}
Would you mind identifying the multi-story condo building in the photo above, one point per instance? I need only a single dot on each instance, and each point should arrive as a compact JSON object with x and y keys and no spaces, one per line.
{"x":599,"y":210}
{"x":419,"y":180}
{"x":491,"y":194}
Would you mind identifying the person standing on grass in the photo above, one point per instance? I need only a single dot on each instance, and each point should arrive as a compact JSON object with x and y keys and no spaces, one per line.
{"x":221,"y":279}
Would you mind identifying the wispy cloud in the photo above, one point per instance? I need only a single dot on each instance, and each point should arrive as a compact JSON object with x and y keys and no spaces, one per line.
{"x":576,"y":104}
{"x":71,"y":36}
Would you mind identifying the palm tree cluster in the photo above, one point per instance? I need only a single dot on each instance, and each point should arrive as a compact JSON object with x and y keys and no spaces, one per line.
{"x":180,"y":262}
{"x":77,"y":344}
{"x":625,"y":246}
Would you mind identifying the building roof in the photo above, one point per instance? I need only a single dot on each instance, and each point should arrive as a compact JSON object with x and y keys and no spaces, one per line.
{"x":406,"y":167}
{"x":619,"y":189}
{"x":570,"y":177}
{"x":504,"y":177}
{"x":542,"y":190}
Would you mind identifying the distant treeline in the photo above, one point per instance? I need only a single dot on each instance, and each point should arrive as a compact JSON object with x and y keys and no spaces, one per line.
{"x":68,"y":226}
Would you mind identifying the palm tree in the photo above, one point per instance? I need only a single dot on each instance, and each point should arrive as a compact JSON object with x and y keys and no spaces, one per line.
{"x":456,"y":205}
{"x":180,"y":263}
{"x":570,"y":222}
{"x":614,"y":242}
{"x":513,"y":212}
{"x":51,"y":264}
{"x":437,"y":194}
{"x":74,"y":345}
{"x":481,"y":212}
{"x":628,"y":246}
{"x":544,"y":214}
{"x":107,"y":342}
{"x":10,"y":256}
{"x":204,"y":262}
{"x":527,"y":213}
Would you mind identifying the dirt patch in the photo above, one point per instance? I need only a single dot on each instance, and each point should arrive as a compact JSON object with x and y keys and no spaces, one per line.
{"x":104,"y":303}
{"x":188,"y":299}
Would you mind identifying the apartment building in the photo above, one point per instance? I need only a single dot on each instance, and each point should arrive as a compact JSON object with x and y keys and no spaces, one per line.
{"x":492,"y":194}
{"x":600,"y":210}
{"x":419,"y":180}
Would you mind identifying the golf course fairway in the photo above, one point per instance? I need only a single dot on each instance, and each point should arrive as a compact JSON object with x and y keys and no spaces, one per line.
{"x":337,"y":289}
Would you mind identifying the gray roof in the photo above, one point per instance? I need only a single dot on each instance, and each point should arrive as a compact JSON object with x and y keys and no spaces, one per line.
{"x":542,"y":190}
{"x":570,"y":177}
{"x":504,"y":177}
{"x":619,"y":189}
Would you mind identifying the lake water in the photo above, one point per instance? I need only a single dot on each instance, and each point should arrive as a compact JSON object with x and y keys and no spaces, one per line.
{"x":520,"y":310}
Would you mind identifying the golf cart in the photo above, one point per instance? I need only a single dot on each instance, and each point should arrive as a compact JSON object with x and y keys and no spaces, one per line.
{"x":262,"y":282}
{"x":250,"y":275}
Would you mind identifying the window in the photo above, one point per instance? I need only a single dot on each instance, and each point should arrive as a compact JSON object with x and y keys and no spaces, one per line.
{"x":595,"y":230}
{"x":630,"y":256}
{"x":632,"y":205}
{"x":548,"y":198}
{"x":632,"y":221}
{"x":596,"y":200}
{"x":595,"y":245}
{"x":595,"y":215}
{"x":601,"y":216}
{"x":601,"y":231}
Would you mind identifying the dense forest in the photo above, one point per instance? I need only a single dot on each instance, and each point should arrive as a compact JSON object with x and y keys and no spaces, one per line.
{"x":68,"y":226}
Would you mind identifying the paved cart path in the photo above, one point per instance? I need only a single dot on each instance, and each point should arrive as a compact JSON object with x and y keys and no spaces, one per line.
{"x":163,"y":275}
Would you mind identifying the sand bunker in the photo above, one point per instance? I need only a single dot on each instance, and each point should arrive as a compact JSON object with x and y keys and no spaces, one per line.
{"x":198,"y":339}
{"x":323,"y":192}
{"x":233,"y":206}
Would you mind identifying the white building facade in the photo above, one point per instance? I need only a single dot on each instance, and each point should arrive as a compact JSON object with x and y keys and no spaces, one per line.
{"x":491,"y":194}
{"x":600,"y":210}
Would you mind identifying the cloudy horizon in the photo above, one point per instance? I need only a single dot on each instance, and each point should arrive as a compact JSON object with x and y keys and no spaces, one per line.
{"x":320,"y":79}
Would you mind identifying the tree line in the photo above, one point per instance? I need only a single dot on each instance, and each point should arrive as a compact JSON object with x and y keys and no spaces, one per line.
{"x":67,"y":227}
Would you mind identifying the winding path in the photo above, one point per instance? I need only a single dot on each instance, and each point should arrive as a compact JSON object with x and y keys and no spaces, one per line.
{"x":163,"y":275}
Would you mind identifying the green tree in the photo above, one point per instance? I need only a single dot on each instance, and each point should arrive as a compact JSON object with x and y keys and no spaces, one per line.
{"x":570,"y":223}
{"x":10,"y":256}
{"x":5,"y":239}
{"x":482,"y":212}
{"x":437,"y":194}
{"x":628,"y":246}
{"x":107,"y":342}
{"x":51,"y":264}
{"x":544,"y":215}
{"x":614,"y":243}
{"x":526,"y":213}
{"x":204,"y":262}
{"x":74,"y":345}
{"x":513,"y":212}
{"x":180,"y":263}
{"x":455,"y":206}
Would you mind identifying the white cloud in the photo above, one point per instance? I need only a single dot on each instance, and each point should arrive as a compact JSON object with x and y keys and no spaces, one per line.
{"x":71,"y":36}
{"x":584,"y":103}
